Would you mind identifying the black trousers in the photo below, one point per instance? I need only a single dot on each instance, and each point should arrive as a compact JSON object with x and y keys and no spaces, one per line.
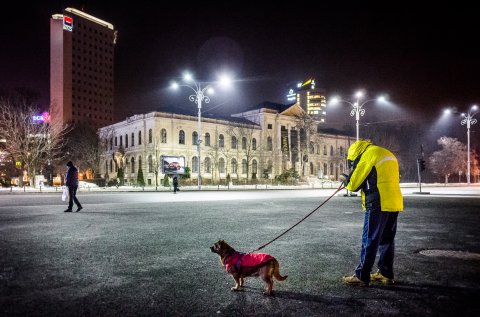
{"x":72,"y":193}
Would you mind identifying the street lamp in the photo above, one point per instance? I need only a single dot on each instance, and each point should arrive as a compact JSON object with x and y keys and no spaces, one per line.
{"x":199,"y":96}
{"x":357,"y":110}
{"x":469,"y":121}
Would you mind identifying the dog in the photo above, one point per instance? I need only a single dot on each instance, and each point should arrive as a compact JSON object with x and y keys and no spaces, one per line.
{"x":242,"y":265}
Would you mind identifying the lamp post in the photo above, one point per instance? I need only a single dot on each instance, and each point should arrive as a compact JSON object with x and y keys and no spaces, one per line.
{"x":469,"y":120}
{"x":199,"y":96}
{"x":357,"y":110}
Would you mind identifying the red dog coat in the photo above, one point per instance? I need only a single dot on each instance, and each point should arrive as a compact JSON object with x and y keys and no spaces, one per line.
{"x":239,"y":260}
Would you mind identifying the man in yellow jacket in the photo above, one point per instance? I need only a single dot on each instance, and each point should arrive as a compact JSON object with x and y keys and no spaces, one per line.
{"x":374,"y":171}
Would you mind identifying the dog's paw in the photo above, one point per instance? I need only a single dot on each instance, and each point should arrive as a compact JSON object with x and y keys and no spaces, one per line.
{"x":236,"y":289}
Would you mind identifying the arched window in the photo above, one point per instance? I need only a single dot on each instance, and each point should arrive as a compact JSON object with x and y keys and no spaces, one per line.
{"x":106,"y":166}
{"x":139,"y":162}
{"x":163,"y":138}
{"x":234,"y":142}
{"x":331,"y":150}
{"x":244,"y":166}
{"x":244,"y":143}
{"x":115,"y":141}
{"x":121,"y":141}
{"x":221,"y":165}
{"x":208,"y":165}
{"x":324,"y":149}
{"x":133,"y":139}
{"x":269,"y":144}
{"x":341,"y":151}
{"x":221,"y":140}
{"x":342,"y":170}
{"x":126,"y":140}
{"x":234,"y":166}
{"x":269,"y":166}
{"x":207,"y":139}
{"x":149,"y":135}
{"x":139,"y":138}
{"x":132,"y":165}
{"x":111,"y":166}
{"x":194,"y":138}
{"x":150,"y":164}
{"x":181,"y":137}
{"x":325,"y":170}
{"x":111,"y":144}
{"x":195,"y":164}
{"x":311,"y":168}
{"x":312,"y":148}
{"x":318,"y":149}
{"x":254,"y":144}
{"x":331,"y":169}
{"x":254,"y":166}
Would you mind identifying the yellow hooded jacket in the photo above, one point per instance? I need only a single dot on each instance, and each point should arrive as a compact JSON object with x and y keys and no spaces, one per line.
{"x":375,"y":172}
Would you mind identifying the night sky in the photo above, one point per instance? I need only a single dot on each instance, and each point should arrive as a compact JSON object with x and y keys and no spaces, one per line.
{"x":424,"y":58}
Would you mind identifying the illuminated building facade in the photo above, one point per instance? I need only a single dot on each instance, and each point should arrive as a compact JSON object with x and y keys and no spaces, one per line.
{"x":310,"y":98}
{"x":81,"y":69}
{"x":268,"y":139}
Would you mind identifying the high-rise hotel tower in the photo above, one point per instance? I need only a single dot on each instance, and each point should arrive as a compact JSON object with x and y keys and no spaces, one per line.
{"x":81,"y":69}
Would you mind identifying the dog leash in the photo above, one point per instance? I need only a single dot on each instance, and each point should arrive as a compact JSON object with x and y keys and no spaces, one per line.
{"x":263,"y":246}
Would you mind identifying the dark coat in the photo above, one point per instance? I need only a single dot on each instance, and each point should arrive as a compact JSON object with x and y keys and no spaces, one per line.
{"x":72,"y":177}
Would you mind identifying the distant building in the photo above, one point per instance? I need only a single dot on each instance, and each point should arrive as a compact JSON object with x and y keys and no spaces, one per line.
{"x":268,"y":139}
{"x":310,"y":98}
{"x":81,"y":69}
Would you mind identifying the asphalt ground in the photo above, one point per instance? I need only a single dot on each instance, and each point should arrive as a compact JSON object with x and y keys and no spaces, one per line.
{"x":147,"y":254}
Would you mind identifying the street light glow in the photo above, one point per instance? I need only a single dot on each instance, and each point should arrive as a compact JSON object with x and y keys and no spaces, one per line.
{"x":174,"y":85}
{"x":187,"y":77}
{"x":359,"y":94}
{"x":225,"y":81}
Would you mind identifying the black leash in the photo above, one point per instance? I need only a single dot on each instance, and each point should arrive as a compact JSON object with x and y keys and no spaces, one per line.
{"x":263,"y":246}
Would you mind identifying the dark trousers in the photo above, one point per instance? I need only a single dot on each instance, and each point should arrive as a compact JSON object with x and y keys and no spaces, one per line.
{"x":72,"y":192}
{"x":379,"y":230}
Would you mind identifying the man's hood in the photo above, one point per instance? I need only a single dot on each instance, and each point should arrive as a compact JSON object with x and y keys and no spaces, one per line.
{"x":357,"y":148}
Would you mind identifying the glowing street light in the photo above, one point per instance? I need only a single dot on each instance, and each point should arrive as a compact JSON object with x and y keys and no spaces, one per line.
{"x":357,"y":110}
{"x":199,"y":96}
{"x":469,"y":121}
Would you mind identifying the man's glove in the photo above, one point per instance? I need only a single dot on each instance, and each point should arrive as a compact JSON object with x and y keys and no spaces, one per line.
{"x":345,"y":179}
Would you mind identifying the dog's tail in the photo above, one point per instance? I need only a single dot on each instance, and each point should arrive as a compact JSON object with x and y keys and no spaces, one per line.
{"x":276,"y":272}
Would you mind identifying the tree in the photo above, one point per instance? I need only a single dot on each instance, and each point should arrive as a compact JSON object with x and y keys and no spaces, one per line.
{"x":450,"y":159}
{"x":140,"y":179}
{"x":28,"y":141}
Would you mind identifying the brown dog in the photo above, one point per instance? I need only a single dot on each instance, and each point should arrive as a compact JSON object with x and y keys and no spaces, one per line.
{"x":241,"y":265}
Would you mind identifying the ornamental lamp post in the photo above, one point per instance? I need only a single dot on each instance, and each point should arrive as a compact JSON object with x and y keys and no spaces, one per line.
{"x":358,"y":109}
{"x":199,"y":95}
{"x":469,"y":120}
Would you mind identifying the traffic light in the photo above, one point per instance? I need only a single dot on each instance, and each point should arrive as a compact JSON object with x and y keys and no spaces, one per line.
{"x":422,"y":164}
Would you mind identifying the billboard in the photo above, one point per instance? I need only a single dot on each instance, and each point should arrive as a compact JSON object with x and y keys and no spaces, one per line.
{"x":173,"y":165}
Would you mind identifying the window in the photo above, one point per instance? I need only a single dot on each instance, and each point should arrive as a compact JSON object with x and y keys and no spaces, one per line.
{"x":133,"y":139}
{"x":207,"y":139}
{"x":244,"y":166}
{"x":254,"y":167}
{"x":269,"y":166}
{"x":331,"y":150}
{"x":150,"y":164}
{"x":149,"y":135}
{"x":121,"y":141}
{"x":163,"y":136}
{"x":111,"y":144}
{"x":325,"y":171}
{"x":132,"y":165}
{"x":221,"y":165}
{"x":269,"y":126}
{"x":181,"y":137}
{"x":208,"y":165}
{"x":312,"y":148}
{"x":254,"y":144}
{"x":139,"y":138}
{"x":269,"y":144}
{"x":115,"y":141}
{"x":234,"y":142}
{"x":341,"y":151}
{"x":195,"y":164}
{"x":126,"y":140}
{"x":139,"y":162}
{"x":221,"y":141}
{"x":234,"y":166}
{"x":244,"y":143}
{"x":111,"y":166}
{"x":324,"y":149}
{"x":194,"y":138}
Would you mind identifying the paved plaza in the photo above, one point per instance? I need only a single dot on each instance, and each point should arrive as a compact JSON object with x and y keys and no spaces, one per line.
{"x":147,"y":254}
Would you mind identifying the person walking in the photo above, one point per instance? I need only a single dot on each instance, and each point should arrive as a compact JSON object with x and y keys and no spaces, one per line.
{"x":175,"y":184}
{"x":375,"y":171}
{"x":71,"y":181}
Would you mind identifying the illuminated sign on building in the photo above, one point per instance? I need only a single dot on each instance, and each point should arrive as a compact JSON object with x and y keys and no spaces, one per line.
{"x":291,"y":95}
{"x":67,"y":23}
{"x":44,"y":117}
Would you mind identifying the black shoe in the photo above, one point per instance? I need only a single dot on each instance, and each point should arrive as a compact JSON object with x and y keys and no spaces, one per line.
{"x":68,"y":210}
{"x":79,"y":208}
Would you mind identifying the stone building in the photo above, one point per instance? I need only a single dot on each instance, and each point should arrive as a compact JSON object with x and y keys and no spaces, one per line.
{"x":266,"y":140}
